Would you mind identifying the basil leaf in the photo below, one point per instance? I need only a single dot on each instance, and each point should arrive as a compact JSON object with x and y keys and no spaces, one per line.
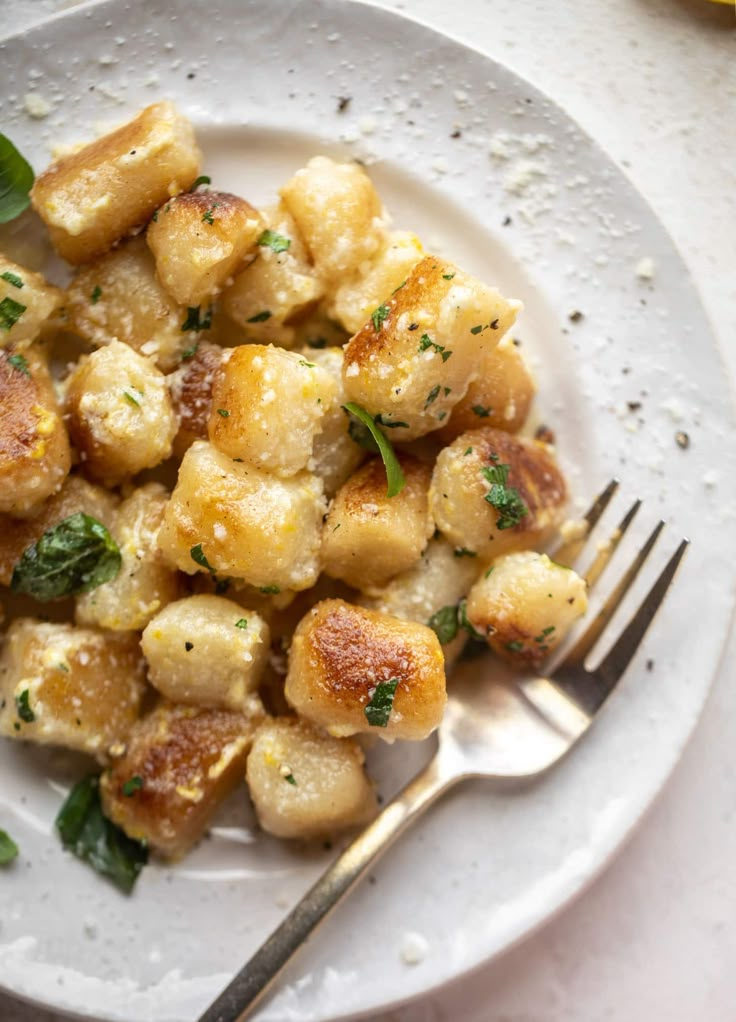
{"x":394,"y":475}
{"x":73,"y":557}
{"x":16,"y":181}
{"x":378,"y":710}
{"x":87,"y":833}
{"x":8,"y":848}
{"x":444,"y":624}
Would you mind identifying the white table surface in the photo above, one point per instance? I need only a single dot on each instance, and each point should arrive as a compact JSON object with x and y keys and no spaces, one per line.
{"x":654,"y":81}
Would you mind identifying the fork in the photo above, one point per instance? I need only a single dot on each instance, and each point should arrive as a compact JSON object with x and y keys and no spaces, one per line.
{"x":493,"y":731}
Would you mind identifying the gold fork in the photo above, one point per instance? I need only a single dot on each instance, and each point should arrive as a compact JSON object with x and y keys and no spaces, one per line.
{"x":495,"y":731}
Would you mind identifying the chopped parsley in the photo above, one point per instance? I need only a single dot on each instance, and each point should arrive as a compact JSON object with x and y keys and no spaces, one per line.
{"x":394,"y":475}
{"x":132,"y":785}
{"x":493,"y":325}
{"x":487,"y":573}
{"x":464,"y":622}
{"x":307,"y":365}
{"x":61,"y":666}
{"x":8,"y":849}
{"x":20,"y":363}
{"x":260,"y":317}
{"x":504,"y":498}
{"x":12,"y":278}
{"x":203,"y":179}
{"x":23,"y":707}
{"x":444,"y":624}
{"x":432,"y":396}
{"x":189,"y":352}
{"x":515,"y":646}
{"x":426,"y":342}
{"x":467,"y":451}
{"x":379,"y":316}
{"x":196,"y":320}
{"x":274,"y":241}
{"x":270,"y":589}
{"x":290,"y":779}
{"x":208,"y":218}
{"x":378,"y":709}
{"x":242,"y":623}
{"x":463,"y":552}
{"x":10,"y":313}
{"x":448,"y":276}
{"x":380,"y":421}
{"x":223,"y":412}
{"x":197,"y":555}
{"x":96,"y":294}
{"x":132,"y":400}
{"x":481,"y":412}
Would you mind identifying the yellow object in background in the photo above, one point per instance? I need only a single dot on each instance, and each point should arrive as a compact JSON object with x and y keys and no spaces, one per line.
{"x":730,"y":3}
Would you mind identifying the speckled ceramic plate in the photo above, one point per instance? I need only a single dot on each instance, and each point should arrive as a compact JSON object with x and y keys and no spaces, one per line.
{"x":495,"y":175}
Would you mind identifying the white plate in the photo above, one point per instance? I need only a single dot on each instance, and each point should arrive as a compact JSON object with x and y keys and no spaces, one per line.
{"x":263,"y":82}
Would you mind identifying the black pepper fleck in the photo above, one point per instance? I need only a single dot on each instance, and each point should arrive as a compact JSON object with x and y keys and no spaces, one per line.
{"x":343,"y":102}
{"x":506,"y":221}
{"x":413,"y":326}
{"x":188,"y":646}
{"x":456,"y":133}
{"x":575,"y":316}
{"x":650,"y":665}
{"x":191,"y":75}
{"x":633,"y":406}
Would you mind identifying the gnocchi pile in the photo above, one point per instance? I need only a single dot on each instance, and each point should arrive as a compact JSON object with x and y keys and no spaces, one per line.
{"x":258,"y":511}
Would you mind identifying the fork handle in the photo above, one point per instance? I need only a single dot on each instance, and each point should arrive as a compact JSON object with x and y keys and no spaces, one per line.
{"x":239,"y":999}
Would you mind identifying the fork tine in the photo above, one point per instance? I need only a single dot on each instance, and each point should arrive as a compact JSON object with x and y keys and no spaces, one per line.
{"x":618,"y":657}
{"x":568,"y":552}
{"x":591,"y":635}
{"x":607,"y":550}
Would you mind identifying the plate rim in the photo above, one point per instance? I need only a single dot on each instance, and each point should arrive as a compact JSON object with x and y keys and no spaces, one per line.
{"x":581,"y":886}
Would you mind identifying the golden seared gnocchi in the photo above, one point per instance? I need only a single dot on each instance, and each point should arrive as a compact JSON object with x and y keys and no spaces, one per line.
{"x":525,"y":604}
{"x":119,"y":298}
{"x":413,"y":359}
{"x":206,"y":651}
{"x":500,"y":396}
{"x":34,"y":446}
{"x":95,"y":196}
{"x":228,"y":518}
{"x":76,"y":494}
{"x":121,"y":419}
{"x":177,"y":765}
{"x":305,"y":783}
{"x":492,"y":493}
{"x":190,"y":387}
{"x":332,"y":446}
{"x":199,"y":239}
{"x":145,"y":583}
{"x":356,"y":298}
{"x":267,"y":407}
{"x":76,"y":687}
{"x":369,"y":537}
{"x":26,"y":302}
{"x":278,"y":287}
{"x":338,"y":213}
{"x":353,"y":670}
{"x":335,"y":454}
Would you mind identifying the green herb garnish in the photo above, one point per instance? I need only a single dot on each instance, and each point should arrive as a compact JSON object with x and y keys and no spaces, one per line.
{"x":426,"y":342}
{"x":87,"y":833}
{"x":197,"y":555}
{"x":505,"y":499}
{"x":444,"y":624}
{"x":73,"y":557}
{"x":380,"y":421}
{"x":394,"y":475}
{"x":208,"y":218}
{"x":201,"y":180}
{"x":20,"y":363}
{"x":132,"y":400}
{"x":197,"y":321}
{"x":23,"y":707}
{"x":462,"y":551}
{"x":260,"y":317}
{"x":447,"y":276}
{"x":96,"y":294}
{"x":132,"y":785}
{"x":378,"y":709}
{"x":378,"y":316}
{"x":8,"y":849}
{"x":515,"y":646}
{"x":272,"y":240}
{"x":223,"y":412}
{"x":290,"y":779}
{"x":481,"y":412}
{"x":432,"y":396}
{"x":464,"y":622}
{"x":10,"y":313}
{"x":242,"y":623}
{"x":189,"y":352}
{"x":271,"y":590}
{"x":12,"y":279}
{"x":16,"y":181}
